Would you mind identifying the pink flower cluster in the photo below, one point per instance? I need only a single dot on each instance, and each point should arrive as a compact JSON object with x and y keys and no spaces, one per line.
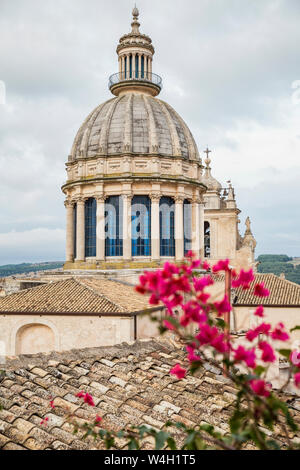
{"x":87,"y":398}
{"x":180,"y":289}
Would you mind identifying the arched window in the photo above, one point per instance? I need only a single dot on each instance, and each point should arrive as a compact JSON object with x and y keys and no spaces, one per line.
{"x":187,"y":225}
{"x":114,"y":226}
{"x":90,"y":227}
{"x":167,"y":226}
{"x":142,"y":66}
{"x":136,"y":66}
{"x":125,"y":65}
{"x":141,"y":226}
{"x":207,"y":239}
{"x":75,"y":230}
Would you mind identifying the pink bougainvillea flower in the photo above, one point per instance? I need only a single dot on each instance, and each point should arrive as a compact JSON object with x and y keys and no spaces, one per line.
{"x":222,"y":265}
{"x":260,"y":290}
{"x":190,"y":254}
{"x":200,"y":284}
{"x":220,"y":344}
{"x":223,"y":306}
{"x":206,"y":265}
{"x":203,"y":297}
{"x":268,"y":354}
{"x":192,"y":357}
{"x":178,"y":371}
{"x":259,"y":312}
{"x":86,"y":397}
{"x":262,"y":329}
{"x":207,"y":334}
{"x":192,"y":313}
{"x":297,"y":379}
{"x":168,"y":325}
{"x":98,"y":420}
{"x":279,"y":334}
{"x":52,"y":404}
{"x":44,"y":421}
{"x":244,"y":280}
{"x":260,"y":387}
{"x":245,"y":355}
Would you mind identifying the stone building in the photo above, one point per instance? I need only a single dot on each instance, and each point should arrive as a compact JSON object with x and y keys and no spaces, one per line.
{"x":137,"y":192}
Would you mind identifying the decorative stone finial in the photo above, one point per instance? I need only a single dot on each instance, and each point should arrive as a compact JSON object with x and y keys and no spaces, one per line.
{"x":135,"y":24}
{"x":135,"y":12}
{"x":248,"y":226}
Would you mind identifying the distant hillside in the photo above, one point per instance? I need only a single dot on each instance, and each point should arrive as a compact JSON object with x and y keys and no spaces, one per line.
{"x":23,"y":268}
{"x":278,"y":264}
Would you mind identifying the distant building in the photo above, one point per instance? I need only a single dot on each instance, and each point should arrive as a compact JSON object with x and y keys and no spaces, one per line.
{"x":71,"y":313}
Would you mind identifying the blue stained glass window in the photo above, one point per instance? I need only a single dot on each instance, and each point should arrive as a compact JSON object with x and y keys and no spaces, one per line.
{"x":187,"y":225}
{"x":167,"y":226}
{"x":141,"y":226}
{"x":75,"y":230}
{"x":114,"y":226}
{"x":90,"y":227}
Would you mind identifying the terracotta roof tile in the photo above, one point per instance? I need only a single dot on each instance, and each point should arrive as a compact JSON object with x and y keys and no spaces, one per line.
{"x":130,"y":384}
{"x":282,"y":292}
{"x":75,"y":296}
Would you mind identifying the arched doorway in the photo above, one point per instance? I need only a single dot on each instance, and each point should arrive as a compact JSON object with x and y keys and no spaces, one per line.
{"x":34,"y":338}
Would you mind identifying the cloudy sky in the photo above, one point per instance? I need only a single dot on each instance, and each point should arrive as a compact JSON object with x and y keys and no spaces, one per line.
{"x":231,"y":68}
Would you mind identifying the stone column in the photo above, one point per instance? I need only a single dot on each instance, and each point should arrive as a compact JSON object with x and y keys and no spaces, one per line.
{"x":100,"y":232}
{"x":196,"y":227}
{"x":69,"y":205}
{"x":127,"y":226}
{"x":155,"y":241}
{"x":179,"y":235}
{"x":80,"y":230}
{"x":146,"y":66}
{"x":201,"y":229}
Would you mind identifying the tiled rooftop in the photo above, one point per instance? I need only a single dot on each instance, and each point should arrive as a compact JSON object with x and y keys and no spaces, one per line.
{"x":73,"y":295}
{"x":282,"y":292}
{"x":129,"y":383}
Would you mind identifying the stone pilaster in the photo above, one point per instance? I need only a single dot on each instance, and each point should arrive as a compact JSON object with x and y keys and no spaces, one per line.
{"x":179,"y":235}
{"x":127,"y":226}
{"x":100,"y":233}
{"x":201,"y":228}
{"x":155,"y":242}
{"x":69,"y":205}
{"x":80,"y":235}
{"x":196,"y":226}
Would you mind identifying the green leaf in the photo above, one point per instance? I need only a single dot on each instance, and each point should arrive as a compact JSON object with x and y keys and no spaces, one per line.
{"x":160,"y":439}
{"x":285,"y":353}
{"x":171,"y":443}
{"x":295,"y":328}
{"x":259,"y":370}
{"x":207,"y":428}
{"x":221,"y":323}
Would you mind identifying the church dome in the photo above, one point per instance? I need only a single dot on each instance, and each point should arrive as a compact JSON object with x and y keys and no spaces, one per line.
{"x":135,"y":123}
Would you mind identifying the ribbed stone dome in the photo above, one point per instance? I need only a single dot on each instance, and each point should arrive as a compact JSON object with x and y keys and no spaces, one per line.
{"x":134,"y":123}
